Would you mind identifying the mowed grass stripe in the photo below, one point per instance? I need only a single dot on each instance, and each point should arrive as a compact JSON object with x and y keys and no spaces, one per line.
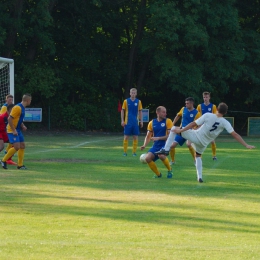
{"x":89,"y":202}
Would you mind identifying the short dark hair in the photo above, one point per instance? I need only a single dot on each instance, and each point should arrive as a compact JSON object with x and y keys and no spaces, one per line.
{"x":9,"y":96}
{"x":9,"y":107}
{"x":190,"y":99}
{"x":158,"y":109}
{"x":222,"y":108}
{"x":26,"y":96}
{"x":206,"y":93}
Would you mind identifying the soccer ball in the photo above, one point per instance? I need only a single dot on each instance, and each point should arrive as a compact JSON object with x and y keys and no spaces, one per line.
{"x":143,"y":157}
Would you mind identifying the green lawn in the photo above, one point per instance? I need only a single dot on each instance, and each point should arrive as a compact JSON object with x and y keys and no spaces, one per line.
{"x":81,"y":199}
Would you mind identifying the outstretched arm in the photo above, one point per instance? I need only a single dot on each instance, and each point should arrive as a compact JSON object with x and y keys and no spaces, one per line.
{"x":241,"y":140}
{"x":187,"y":127}
{"x":146,"y":140}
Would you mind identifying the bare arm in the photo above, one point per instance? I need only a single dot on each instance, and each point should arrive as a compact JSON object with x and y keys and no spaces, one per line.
{"x":24,"y":128}
{"x":141,"y":118}
{"x":146,"y":140}
{"x":122,"y":117}
{"x":10,"y":122}
{"x":187,"y":127}
{"x":241,"y":140}
{"x":175,"y":120}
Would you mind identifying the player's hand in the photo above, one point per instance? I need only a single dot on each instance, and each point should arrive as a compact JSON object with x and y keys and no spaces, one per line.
{"x":142,"y":147}
{"x":250,"y":146}
{"x":15,"y":132}
{"x":123,"y":123}
{"x":24,"y":128}
{"x":176,"y":130}
{"x":141,"y":124}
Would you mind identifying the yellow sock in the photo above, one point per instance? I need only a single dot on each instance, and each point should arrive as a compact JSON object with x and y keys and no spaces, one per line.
{"x":192,"y":152}
{"x":9,"y":146}
{"x":135,"y":143}
{"x":167,"y":164}
{"x":172,"y":154}
{"x":20,"y":157}
{"x":214,"y":148}
{"x":125,"y":145}
{"x":154,"y":168}
{"x":9,"y":154}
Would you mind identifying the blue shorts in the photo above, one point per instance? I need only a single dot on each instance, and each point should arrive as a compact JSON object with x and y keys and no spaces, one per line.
{"x":131,"y":130}
{"x":158,"y":145}
{"x":180,"y":140}
{"x":153,"y":150}
{"x":15,"y":138}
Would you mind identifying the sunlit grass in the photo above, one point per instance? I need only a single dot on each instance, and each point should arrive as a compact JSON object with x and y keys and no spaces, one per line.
{"x":81,"y":199}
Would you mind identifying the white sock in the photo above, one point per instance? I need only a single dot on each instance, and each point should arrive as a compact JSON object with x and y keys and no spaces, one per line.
{"x":199,"y":167}
{"x":170,"y":140}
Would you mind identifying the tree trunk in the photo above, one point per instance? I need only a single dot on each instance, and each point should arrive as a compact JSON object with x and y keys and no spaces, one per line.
{"x":133,"y":50}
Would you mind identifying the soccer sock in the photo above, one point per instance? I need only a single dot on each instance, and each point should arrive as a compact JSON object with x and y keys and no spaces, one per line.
{"x":154,"y":168}
{"x":214,"y":148}
{"x":199,"y":167}
{"x":9,"y":146}
{"x":9,"y":154}
{"x":135,"y":143}
{"x":167,"y":164}
{"x":125,"y":145}
{"x":172,"y":154}
{"x":192,"y":152}
{"x":20,"y":157}
{"x":170,"y":140}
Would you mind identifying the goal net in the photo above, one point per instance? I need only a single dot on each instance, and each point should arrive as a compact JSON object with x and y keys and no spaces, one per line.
{"x":6,"y":79}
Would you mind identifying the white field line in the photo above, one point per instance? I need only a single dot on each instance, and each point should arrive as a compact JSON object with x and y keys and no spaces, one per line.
{"x":74,"y":146}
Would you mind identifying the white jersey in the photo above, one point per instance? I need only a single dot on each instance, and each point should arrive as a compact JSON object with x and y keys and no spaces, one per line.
{"x":211,"y":127}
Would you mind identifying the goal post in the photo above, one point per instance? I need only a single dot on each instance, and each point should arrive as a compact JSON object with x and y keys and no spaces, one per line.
{"x":6,"y":78}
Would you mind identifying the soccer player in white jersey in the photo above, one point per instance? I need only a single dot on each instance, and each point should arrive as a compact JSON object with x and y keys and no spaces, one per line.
{"x":210,"y":126}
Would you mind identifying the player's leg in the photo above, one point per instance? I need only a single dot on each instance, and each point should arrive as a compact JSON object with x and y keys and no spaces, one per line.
{"x":150,"y":159}
{"x":135,"y":139}
{"x":192,"y":151}
{"x":135,"y":144}
{"x":20,"y":153}
{"x":172,"y":154}
{"x":21,"y":156}
{"x":214,"y":150}
{"x":199,"y":148}
{"x":126,"y":137}
{"x":199,"y":167}
{"x":166,"y":162}
{"x":16,"y":146}
{"x":9,"y":146}
{"x":168,"y":144}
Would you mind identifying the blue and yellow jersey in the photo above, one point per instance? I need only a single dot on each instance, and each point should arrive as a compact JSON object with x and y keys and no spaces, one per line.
{"x":160,"y":128}
{"x":17,"y":113}
{"x":210,"y":108}
{"x":132,"y":108}
{"x":188,"y":116}
{"x":3,"y":109}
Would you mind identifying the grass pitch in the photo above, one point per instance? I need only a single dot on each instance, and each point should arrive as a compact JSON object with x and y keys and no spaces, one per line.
{"x":81,"y":199}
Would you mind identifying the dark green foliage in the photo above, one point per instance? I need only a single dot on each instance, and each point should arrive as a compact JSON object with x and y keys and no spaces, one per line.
{"x":79,"y":58}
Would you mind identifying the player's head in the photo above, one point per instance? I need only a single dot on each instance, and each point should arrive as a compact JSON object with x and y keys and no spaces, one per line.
{"x":189,"y":102}
{"x":9,"y":108}
{"x":222,"y":108}
{"x":27,"y":98}
{"x":9,"y":99}
{"x":161,"y":112}
{"x":206,"y":96}
{"x":133,"y":92}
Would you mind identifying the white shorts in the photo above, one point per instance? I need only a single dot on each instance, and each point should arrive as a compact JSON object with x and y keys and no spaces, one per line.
{"x":191,"y":136}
